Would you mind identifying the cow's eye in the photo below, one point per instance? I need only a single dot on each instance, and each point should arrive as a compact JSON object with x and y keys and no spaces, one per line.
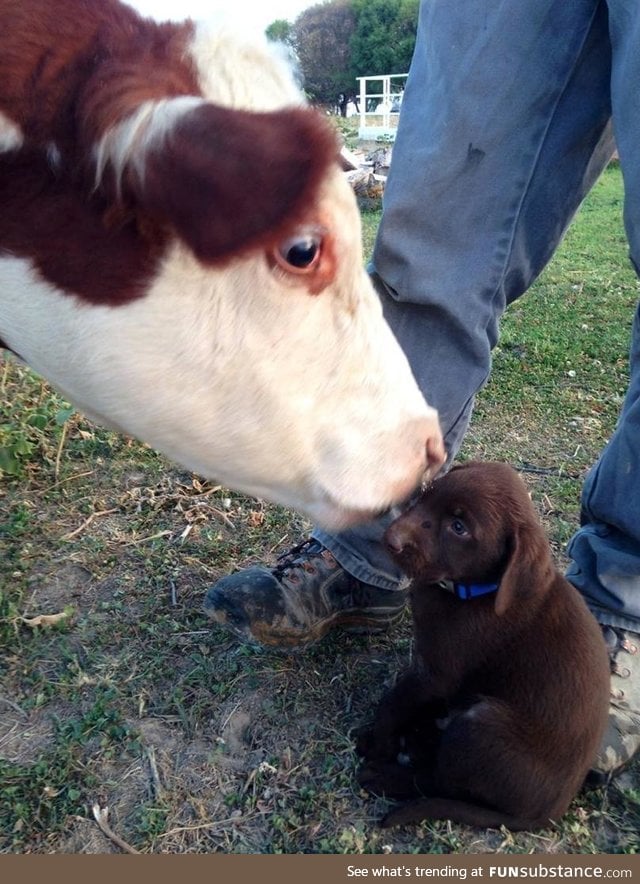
{"x":300,"y":253}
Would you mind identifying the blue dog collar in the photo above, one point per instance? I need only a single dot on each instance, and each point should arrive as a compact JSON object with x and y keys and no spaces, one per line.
{"x":466,"y":591}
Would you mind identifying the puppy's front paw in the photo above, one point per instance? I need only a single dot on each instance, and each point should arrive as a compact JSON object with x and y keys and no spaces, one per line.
{"x":377,"y":746}
{"x":371,"y":779}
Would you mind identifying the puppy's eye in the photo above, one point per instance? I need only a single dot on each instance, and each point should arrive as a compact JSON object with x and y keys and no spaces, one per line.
{"x":458,"y":527}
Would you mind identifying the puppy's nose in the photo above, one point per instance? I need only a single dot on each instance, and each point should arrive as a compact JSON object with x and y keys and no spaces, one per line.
{"x":397,"y":538}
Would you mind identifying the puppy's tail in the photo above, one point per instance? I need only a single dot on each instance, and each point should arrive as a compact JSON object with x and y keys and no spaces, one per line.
{"x":459,"y":812}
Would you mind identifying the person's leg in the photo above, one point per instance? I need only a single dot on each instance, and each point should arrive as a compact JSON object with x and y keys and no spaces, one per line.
{"x":605,"y":551}
{"x":504,"y":128}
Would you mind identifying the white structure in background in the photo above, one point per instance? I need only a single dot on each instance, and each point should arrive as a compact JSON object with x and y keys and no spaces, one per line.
{"x":380,"y":100}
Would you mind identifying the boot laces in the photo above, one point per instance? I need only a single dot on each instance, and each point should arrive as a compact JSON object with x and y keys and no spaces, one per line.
{"x":298,"y":557}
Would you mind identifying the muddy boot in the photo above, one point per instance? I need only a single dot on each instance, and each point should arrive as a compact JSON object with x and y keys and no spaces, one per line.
{"x":295,"y":603}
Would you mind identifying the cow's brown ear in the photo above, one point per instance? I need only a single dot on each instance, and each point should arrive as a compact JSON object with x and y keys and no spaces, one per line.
{"x":230,"y":180}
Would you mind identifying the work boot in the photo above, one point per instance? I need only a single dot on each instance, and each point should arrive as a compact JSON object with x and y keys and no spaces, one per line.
{"x":295,"y":603}
{"x":622,"y":737}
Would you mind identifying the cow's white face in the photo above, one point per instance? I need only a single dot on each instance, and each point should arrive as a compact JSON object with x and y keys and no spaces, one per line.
{"x":252,"y":353}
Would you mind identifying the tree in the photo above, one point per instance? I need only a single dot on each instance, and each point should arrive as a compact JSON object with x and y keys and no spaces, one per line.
{"x":384,"y":36}
{"x":281,"y":31}
{"x":322,"y":41}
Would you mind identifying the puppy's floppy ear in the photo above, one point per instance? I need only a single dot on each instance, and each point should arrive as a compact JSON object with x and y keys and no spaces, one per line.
{"x":529,"y":567}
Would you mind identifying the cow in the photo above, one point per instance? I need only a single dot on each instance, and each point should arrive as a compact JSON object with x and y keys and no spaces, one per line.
{"x":180,"y":257}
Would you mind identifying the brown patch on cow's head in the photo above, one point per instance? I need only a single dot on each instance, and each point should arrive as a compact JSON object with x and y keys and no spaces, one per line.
{"x":228,"y":181}
{"x":50,"y":219}
{"x":66,"y":78}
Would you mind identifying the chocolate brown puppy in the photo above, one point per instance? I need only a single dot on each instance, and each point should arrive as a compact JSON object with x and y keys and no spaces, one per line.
{"x":503,"y":707}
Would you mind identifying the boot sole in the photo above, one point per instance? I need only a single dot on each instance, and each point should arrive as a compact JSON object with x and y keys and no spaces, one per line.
{"x":266,"y":635}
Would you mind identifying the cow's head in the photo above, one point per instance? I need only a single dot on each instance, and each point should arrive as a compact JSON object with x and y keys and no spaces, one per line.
{"x":209,"y":297}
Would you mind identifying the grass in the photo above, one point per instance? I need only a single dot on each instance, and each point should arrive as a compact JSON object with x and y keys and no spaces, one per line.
{"x":197,"y":744}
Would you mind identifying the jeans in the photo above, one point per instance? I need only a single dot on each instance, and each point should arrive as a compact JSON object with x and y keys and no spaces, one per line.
{"x":507,"y":121}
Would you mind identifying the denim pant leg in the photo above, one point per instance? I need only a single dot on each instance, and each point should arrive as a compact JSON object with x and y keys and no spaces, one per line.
{"x":505,"y":126}
{"x":606,"y":549}
{"x":605,"y":552}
